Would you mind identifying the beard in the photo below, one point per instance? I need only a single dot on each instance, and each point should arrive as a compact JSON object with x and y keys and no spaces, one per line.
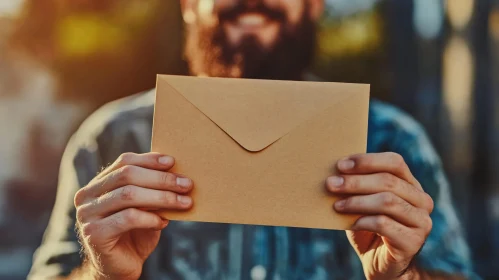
{"x":209,"y":52}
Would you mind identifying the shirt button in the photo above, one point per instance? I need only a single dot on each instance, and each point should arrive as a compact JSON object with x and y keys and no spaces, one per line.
{"x":258,"y":272}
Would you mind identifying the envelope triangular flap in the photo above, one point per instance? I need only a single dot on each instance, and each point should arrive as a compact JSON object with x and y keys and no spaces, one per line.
{"x":256,"y":113}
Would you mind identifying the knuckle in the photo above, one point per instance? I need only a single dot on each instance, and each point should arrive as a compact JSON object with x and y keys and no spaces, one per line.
{"x":428,"y":225}
{"x":155,"y":220}
{"x":388,"y":199}
{"x":381,"y":222}
{"x":398,"y":160}
{"x":430,"y":202}
{"x":108,"y":196}
{"x":127,"y":193}
{"x":168,"y":179}
{"x":350,"y":182}
{"x":81,"y":213}
{"x":350,"y":203}
{"x":87,"y":229}
{"x":418,"y":185}
{"x":115,"y":221}
{"x":169,"y":198}
{"x":406,"y":207}
{"x":130,"y":216}
{"x":395,"y":156}
{"x":389,"y":180}
{"x":125,"y":159}
{"x":126,"y":173}
{"x":364,"y":161}
{"x":80,"y":196}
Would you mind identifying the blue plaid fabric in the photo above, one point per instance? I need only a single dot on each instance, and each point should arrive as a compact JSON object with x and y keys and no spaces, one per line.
{"x":190,"y":250}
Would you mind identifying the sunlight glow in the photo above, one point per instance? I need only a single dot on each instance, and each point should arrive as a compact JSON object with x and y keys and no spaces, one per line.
{"x":205,"y":11}
{"x":10,"y":7}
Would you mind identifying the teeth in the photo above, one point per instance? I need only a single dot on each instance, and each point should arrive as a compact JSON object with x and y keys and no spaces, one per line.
{"x":251,"y":20}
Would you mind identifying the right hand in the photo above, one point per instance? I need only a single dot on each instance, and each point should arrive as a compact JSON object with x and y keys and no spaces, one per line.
{"x":116,"y":231}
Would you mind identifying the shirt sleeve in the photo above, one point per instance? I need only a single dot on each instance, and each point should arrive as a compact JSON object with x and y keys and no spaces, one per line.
{"x":445,"y":250}
{"x":59,"y":253}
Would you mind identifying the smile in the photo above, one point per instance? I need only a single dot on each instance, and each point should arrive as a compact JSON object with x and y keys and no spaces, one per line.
{"x":251,"y":21}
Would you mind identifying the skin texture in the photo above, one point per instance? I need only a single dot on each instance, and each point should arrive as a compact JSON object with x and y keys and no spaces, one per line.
{"x":395,"y":212}
{"x":118,"y":233}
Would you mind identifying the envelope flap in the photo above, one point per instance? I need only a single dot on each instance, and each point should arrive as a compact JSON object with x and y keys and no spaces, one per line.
{"x":256,"y":113}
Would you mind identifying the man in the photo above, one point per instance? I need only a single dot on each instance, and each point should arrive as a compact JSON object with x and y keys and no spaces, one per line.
{"x":394,"y":188}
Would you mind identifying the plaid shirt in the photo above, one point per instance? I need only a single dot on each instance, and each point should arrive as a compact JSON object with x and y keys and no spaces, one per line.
{"x":189,"y":250}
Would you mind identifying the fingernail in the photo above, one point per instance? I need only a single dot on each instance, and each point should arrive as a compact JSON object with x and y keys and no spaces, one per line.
{"x":184,"y":182}
{"x":336,"y":181}
{"x":166,"y":160}
{"x":346,"y":164}
{"x":185,"y":200}
{"x":340,"y":204}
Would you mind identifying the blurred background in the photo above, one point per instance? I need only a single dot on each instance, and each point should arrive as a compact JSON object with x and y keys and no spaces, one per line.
{"x":60,"y":60}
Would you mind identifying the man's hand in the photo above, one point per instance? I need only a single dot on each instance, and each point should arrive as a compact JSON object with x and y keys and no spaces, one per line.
{"x":115,"y":228}
{"x":395,"y":212}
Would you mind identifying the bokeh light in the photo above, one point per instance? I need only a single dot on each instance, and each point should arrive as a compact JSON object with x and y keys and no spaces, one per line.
{"x":352,"y":36}
{"x":84,"y":35}
{"x":494,"y":24}
{"x":458,"y":77}
{"x":428,"y":18}
{"x":108,"y":31}
{"x":460,"y":12}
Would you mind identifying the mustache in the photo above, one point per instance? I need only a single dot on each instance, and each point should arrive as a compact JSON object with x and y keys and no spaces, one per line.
{"x":231,"y":14}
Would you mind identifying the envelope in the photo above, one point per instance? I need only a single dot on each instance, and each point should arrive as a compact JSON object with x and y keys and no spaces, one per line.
{"x":259,"y":151}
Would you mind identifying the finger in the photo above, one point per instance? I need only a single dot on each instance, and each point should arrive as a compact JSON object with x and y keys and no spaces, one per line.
{"x":138,"y":176}
{"x":377,"y":183}
{"x":394,"y":234}
{"x":101,"y":231}
{"x":154,"y":161}
{"x":377,"y":163}
{"x":132,"y":197}
{"x":388,"y":204}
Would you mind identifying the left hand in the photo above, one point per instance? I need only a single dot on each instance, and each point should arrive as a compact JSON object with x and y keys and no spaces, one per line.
{"x":395,"y":212}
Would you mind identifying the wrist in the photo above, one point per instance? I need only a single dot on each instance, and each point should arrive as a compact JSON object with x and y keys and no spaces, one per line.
{"x":93,"y":272}
{"x":87,"y":271}
{"x":413,"y":273}
{"x":96,"y":274}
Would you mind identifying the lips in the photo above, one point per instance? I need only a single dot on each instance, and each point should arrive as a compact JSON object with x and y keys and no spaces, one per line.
{"x":259,"y":23}
{"x":254,"y":16}
{"x":251,"y":20}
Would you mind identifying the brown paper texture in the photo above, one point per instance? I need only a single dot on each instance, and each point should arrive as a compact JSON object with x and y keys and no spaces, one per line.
{"x":259,"y":151}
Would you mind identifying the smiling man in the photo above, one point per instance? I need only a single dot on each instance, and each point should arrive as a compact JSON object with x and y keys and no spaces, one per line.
{"x":407,"y":227}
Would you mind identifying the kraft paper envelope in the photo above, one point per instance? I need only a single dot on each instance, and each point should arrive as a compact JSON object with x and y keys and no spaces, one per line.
{"x":259,"y":151}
